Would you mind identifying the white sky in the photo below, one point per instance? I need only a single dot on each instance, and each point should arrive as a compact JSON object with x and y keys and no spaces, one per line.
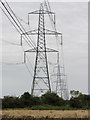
{"x":49,"y":0}
{"x":72,"y":21}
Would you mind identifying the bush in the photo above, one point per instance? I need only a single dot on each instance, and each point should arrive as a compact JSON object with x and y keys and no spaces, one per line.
{"x":75,"y":103}
{"x":36,"y":101}
{"x":10,"y":102}
{"x":52,"y":99}
{"x":26,"y":100}
{"x":46,"y":101}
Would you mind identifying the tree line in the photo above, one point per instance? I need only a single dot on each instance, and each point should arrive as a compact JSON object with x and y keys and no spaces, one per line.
{"x":77,"y":100}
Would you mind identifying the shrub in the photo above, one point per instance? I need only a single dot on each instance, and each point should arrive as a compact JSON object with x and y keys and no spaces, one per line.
{"x":36,"y":101}
{"x":26,"y":100}
{"x":10,"y":102}
{"x":76,"y":103}
{"x":51,"y":99}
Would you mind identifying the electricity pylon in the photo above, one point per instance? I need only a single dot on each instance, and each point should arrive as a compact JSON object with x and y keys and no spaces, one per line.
{"x":41,"y":81}
{"x":61,"y":87}
{"x":61,"y":83}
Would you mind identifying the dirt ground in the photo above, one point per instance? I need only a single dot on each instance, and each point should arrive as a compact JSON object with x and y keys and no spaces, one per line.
{"x":45,"y":113}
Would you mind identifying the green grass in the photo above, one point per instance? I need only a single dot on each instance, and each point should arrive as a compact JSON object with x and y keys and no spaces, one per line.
{"x":47,"y":107}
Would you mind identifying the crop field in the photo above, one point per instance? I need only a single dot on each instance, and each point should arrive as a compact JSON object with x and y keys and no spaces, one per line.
{"x":45,"y":114}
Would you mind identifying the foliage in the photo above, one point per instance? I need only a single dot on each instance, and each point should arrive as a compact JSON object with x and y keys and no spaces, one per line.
{"x":37,"y":100}
{"x":52,"y":99}
{"x":26,"y":100}
{"x":74,"y":93}
{"x":48,"y":101}
{"x":10,"y":102}
{"x":49,"y":107}
{"x":82,"y":101}
{"x":75,"y":103}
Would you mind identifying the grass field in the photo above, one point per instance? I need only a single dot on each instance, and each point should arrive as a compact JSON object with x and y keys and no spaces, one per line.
{"x":45,"y":113}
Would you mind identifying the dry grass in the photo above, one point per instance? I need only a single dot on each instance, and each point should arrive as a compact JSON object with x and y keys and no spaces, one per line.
{"x":0,"y":114}
{"x":46,"y":113}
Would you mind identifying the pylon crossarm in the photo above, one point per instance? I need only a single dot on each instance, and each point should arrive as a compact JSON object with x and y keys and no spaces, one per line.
{"x":50,"y":50}
{"x":40,"y":89}
{"x":58,"y":75}
{"x":47,"y":50}
{"x":47,"y":32}
{"x":39,"y":11}
{"x":32,"y":32}
{"x":30,"y":50}
{"x":50,"y":32}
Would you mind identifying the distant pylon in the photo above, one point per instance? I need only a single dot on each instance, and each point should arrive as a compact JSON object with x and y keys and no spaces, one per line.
{"x":61,"y":84}
{"x":60,"y":87}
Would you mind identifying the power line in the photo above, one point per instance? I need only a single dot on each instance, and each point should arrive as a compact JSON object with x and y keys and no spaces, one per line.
{"x":7,"y":63}
{"x":17,"y":19}
{"x":40,"y":55}
{"x":10,"y":21}
{"x":20,"y":27}
{"x":14,"y":26}
{"x":28,"y":69}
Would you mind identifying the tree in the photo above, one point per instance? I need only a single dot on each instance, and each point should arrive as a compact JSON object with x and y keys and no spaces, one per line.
{"x":10,"y":102}
{"x":75,"y":103}
{"x":52,"y":99}
{"x":75,"y":93}
{"x":26,"y":100}
{"x":36,"y":100}
{"x":84,"y":99}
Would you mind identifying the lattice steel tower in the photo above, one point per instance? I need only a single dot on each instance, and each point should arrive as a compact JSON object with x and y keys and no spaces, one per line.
{"x":41,"y":72}
{"x":41,"y":67}
{"x":41,"y":81}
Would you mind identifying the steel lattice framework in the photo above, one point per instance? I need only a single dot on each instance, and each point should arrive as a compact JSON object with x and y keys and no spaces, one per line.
{"x":41,"y":73}
{"x":41,"y":81}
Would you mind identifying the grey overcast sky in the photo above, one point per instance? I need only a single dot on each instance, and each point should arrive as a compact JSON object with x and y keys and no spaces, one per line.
{"x":72,"y":21}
